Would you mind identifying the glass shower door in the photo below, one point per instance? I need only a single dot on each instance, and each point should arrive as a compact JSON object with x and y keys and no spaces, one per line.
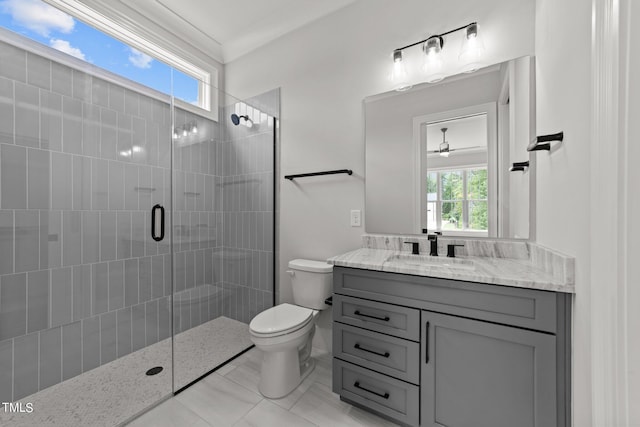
{"x":223,"y":229}
{"x":85,"y":290}
{"x":202,"y":338}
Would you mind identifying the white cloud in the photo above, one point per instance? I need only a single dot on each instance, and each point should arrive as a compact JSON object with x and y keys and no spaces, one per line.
{"x":139,"y":59}
{"x":65,"y":46}
{"x":38,"y":16}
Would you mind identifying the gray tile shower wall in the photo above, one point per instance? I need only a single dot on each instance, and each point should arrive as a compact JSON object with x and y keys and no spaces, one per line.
{"x":197,"y":223}
{"x":82,"y":161}
{"x":248,"y":207}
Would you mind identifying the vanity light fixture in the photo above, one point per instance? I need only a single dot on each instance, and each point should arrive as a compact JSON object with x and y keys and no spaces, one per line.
{"x":398,"y":74}
{"x":432,"y":61}
{"x":471,"y":51}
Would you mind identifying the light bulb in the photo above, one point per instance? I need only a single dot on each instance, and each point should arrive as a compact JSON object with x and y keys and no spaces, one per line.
{"x":184,"y":132}
{"x":444,"y":149}
{"x":432,"y":61}
{"x":398,"y":74}
{"x":194,"y":129}
{"x":471,"y":50}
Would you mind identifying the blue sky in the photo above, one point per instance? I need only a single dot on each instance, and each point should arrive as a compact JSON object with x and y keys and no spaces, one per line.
{"x":52,"y":27}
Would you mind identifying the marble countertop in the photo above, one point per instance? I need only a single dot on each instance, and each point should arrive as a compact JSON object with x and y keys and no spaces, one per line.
{"x":517,"y":272}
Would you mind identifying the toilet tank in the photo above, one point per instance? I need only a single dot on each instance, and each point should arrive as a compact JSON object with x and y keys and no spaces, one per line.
{"x":311,"y":281}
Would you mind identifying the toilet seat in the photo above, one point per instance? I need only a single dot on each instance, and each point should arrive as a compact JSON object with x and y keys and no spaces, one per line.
{"x":280,"y":320}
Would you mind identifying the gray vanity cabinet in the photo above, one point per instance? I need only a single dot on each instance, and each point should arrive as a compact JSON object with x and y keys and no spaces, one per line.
{"x":478,"y":374}
{"x":445,"y":353}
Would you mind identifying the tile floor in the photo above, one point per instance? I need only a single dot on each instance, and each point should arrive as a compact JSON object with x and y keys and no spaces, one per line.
{"x":117,"y":391}
{"x":230,"y":397}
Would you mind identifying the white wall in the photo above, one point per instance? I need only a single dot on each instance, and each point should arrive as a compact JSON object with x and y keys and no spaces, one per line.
{"x":563,"y":36}
{"x":522,"y":120}
{"x":325,"y":70}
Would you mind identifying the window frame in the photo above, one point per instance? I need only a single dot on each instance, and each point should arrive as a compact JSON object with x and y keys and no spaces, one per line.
{"x":439,"y":201}
{"x":207,"y":80}
{"x":420,"y":164}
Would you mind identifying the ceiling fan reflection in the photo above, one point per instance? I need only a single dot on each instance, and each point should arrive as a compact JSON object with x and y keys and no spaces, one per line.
{"x":444,"y":150}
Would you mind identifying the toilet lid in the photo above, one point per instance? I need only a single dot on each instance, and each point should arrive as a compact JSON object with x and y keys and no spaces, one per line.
{"x":281,"y":318}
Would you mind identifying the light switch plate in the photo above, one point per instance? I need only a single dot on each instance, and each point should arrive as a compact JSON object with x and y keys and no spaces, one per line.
{"x":356,"y":218}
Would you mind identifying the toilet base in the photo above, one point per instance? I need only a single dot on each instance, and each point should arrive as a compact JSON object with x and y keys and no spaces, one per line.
{"x":307,"y":369}
{"x":286,"y":361}
{"x":277,"y":379}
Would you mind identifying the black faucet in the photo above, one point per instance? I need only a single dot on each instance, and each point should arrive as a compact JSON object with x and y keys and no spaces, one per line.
{"x":451,"y":250}
{"x":433,"y":240}
{"x":415,"y":248}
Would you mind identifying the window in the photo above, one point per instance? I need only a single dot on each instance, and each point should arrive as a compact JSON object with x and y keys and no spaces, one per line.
{"x":457,"y":200}
{"x":109,"y":46}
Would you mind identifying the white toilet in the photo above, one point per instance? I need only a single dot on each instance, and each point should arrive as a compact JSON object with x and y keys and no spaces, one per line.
{"x":284,"y":332}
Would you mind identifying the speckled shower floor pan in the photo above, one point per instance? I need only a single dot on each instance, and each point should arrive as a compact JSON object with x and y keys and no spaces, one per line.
{"x":116,"y":392}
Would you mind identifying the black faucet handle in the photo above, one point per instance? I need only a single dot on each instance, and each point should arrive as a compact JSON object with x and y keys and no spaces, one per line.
{"x":451,"y":250}
{"x":415,"y":247}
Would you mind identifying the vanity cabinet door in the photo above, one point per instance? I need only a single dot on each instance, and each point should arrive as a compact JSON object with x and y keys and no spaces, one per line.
{"x":479,"y":374}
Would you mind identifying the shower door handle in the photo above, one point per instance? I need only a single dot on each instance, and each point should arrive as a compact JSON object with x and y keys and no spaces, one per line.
{"x":157,"y":215}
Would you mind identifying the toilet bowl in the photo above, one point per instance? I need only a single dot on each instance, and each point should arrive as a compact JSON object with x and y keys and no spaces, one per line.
{"x":284,"y":333}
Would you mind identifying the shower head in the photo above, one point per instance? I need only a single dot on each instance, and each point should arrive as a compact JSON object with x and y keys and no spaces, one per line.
{"x":236,"y":120}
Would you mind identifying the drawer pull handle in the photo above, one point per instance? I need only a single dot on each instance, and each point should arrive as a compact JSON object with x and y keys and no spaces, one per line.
{"x":426,"y":348}
{"x":357,"y":347}
{"x":385,"y":318}
{"x":357,"y":385}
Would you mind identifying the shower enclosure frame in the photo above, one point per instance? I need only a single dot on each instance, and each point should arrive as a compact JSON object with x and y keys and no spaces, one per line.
{"x":34,"y":48}
{"x":274,"y":275}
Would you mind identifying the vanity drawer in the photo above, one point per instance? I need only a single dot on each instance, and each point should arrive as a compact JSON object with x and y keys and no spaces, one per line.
{"x":389,"y":355}
{"x":526,"y":308}
{"x":388,"y":396}
{"x":389,"y":319}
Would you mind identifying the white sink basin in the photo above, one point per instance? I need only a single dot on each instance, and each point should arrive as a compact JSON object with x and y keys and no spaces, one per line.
{"x":426,"y":261}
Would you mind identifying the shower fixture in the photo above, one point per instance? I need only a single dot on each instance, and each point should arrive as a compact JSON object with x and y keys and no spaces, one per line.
{"x":236,"y":120}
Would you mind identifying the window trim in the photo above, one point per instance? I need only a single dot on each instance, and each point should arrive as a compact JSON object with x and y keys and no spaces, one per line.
{"x":420,"y":167}
{"x":465,"y":200}
{"x":37,"y":48}
{"x":207,"y":99}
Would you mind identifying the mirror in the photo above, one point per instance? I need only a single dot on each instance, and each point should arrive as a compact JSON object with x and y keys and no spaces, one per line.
{"x":438,"y":156}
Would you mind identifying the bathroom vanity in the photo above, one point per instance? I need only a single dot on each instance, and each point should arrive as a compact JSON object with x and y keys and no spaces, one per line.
{"x":417,"y":341}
